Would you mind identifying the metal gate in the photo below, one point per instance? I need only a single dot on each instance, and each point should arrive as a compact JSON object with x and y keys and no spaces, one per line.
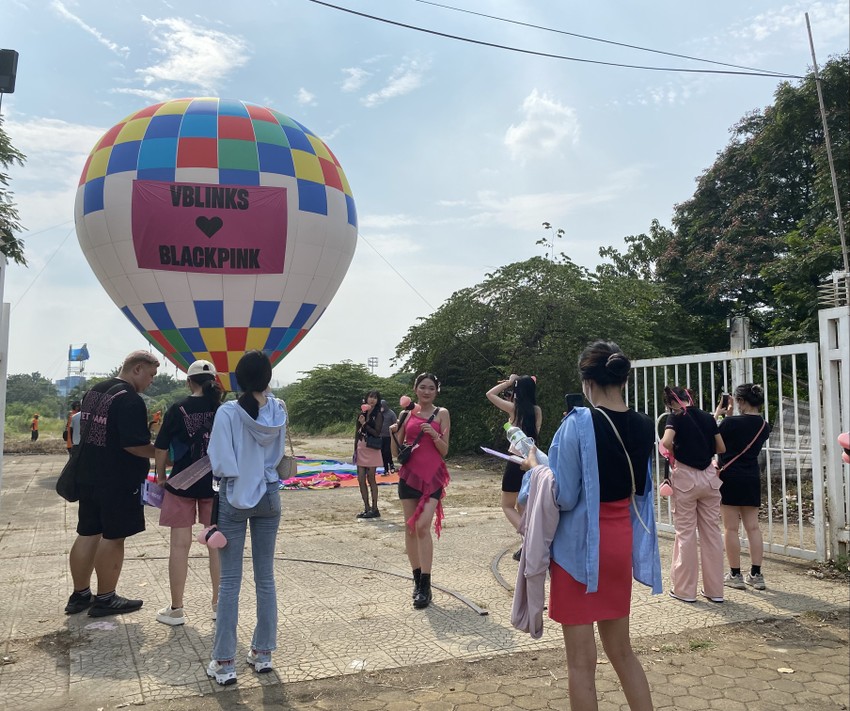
{"x":792,"y":513}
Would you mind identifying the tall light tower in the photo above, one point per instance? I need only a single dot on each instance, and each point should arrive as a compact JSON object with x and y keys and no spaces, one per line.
{"x":372,"y":362}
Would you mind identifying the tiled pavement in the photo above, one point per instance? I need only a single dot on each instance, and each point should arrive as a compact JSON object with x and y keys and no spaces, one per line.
{"x":345,"y":610}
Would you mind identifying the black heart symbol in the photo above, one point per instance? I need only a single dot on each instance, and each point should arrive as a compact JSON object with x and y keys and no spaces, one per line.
{"x":209,"y":225}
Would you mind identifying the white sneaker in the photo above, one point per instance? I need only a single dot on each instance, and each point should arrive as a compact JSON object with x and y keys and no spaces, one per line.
{"x":756,"y":581}
{"x":709,"y":597}
{"x":261,"y":661}
{"x":734,"y":581}
{"x":224,"y":674}
{"x":169,"y":616}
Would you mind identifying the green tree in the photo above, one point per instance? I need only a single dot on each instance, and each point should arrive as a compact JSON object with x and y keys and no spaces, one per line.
{"x":532,"y":317}
{"x":760,"y":232}
{"x":29,"y":388}
{"x":10,"y":246}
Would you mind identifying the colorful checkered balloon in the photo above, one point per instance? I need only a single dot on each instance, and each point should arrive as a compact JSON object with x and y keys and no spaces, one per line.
{"x":216,"y":226}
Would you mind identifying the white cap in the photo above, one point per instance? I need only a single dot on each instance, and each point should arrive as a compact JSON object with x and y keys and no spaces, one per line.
{"x":199,"y":367}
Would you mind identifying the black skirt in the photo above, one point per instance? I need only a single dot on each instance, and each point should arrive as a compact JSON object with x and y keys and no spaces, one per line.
{"x":740,"y":490}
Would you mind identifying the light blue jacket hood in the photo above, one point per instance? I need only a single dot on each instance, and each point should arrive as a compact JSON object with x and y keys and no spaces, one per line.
{"x":245,"y":452}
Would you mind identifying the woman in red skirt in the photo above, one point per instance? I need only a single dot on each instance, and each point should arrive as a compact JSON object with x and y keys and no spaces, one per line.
{"x":606,"y":531}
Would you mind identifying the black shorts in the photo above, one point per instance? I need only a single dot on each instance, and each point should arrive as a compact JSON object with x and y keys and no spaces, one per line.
{"x":512,"y":478}
{"x":408,"y":492}
{"x":112,"y":513}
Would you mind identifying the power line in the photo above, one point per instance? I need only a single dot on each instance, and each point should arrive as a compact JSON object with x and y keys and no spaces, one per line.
{"x":35,"y":278}
{"x":427,"y":303}
{"x":600,"y":39}
{"x":548,"y":55}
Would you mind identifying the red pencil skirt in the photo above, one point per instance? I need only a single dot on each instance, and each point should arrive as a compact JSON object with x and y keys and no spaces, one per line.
{"x":569,"y":601}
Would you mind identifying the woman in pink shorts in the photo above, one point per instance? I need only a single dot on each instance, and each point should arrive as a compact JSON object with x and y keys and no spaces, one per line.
{"x":185,"y":432}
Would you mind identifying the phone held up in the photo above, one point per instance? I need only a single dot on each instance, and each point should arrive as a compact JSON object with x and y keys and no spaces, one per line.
{"x":572,"y":400}
{"x":724,"y":400}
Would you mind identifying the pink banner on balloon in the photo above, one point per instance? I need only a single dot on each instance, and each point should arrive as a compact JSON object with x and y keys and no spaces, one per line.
{"x":217,"y":229}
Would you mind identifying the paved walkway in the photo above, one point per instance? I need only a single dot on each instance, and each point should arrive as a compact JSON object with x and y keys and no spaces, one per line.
{"x":345,"y":615}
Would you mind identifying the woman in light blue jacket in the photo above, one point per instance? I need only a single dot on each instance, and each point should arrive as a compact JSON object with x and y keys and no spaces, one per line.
{"x":246,"y":444}
{"x":606,"y":530}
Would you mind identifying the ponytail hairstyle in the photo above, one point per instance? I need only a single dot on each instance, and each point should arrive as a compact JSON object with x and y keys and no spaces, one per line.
{"x":674,"y":395}
{"x":211,"y":391}
{"x":253,"y":374}
{"x":525,"y":398}
{"x":604,"y":363}
{"x":751,"y":394}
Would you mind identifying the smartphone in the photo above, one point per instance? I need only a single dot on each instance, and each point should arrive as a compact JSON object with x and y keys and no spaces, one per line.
{"x":724,"y":400}
{"x":572,"y":400}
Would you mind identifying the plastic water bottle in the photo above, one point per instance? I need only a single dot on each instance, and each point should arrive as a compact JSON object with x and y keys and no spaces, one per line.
{"x":522,"y":443}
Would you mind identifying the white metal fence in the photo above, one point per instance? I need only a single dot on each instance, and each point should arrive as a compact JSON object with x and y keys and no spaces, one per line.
{"x":792,"y":514}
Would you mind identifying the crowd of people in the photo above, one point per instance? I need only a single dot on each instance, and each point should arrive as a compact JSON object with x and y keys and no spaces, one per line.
{"x":594,"y":531}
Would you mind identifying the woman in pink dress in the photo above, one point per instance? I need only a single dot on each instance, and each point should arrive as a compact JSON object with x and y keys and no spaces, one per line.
{"x":423,"y":480}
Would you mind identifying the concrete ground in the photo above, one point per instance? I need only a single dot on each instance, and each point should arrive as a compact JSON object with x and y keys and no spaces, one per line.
{"x":350,"y":639}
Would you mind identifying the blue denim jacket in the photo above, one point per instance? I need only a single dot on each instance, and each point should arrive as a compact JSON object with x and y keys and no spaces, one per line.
{"x":572,"y":458}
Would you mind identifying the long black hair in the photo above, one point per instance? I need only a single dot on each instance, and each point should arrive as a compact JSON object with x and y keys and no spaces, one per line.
{"x":525,"y":399}
{"x":211,"y":391}
{"x":253,"y":373}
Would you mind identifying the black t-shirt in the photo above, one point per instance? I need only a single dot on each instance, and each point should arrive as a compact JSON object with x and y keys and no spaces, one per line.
{"x":94,"y":402}
{"x":188,"y":437}
{"x":695,"y":430}
{"x":116,"y":417}
{"x":737,"y":432}
{"x":638,"y":434}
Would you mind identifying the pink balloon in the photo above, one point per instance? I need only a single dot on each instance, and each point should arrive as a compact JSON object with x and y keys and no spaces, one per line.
{"x":364,"y":407}
{"x":404,"y":402}
{"x":534,"y":378}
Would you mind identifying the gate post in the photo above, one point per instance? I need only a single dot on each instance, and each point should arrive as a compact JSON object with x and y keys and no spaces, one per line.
{"x":739,"y":342}
{"x":834,"y":334}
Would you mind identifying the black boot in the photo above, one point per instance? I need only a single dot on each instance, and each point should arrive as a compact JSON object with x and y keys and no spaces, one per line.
{"x":423,"y":595}
{"x":417,"y":574}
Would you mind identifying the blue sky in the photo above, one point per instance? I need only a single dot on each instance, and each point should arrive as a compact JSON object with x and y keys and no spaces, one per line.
{"x":456,"y":153}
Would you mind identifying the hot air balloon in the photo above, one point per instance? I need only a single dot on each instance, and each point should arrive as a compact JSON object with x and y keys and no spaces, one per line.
{"x":216,"y":226}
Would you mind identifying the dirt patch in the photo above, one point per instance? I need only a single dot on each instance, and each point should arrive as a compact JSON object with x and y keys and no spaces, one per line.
{"x":18,"y":444}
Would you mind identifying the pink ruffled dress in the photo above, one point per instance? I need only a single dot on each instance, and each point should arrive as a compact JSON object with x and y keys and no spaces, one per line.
{"x":425,"y":471}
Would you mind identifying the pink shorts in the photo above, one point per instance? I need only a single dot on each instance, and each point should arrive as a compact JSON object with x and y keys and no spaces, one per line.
{"x":179,"y":511}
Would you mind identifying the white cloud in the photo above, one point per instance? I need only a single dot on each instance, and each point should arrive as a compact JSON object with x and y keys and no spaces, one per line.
{"x":829,"y":20}
{"x":406,"y":77}
{"x":386,"y":222}
{"x":60,"y":8}
{"x":192,"y":56}
{"x":355,"y":78}
{"x":545,"y":127}
{"x":47,"y":134}
{"x":305,"y":98}
{"x":524,"y":212}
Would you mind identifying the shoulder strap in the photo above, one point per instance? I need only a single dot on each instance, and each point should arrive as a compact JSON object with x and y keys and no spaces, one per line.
{"x":744,"y":450}
{"x":631,"y":466}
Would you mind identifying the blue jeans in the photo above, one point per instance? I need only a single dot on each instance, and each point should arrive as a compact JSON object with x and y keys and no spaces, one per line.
{"x":264,"y":519}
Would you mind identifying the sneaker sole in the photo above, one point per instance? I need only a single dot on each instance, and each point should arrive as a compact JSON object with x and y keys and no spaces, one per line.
{"x":681,"y":599}
{"x":97,"y":612}
{"x":171,"y":621}
{"x":227,"y":681}
{"x":757,"y":587}
{"x":260,"y":667}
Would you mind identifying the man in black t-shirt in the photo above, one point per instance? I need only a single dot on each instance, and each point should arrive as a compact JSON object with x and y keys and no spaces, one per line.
{"x":115,"y":453}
